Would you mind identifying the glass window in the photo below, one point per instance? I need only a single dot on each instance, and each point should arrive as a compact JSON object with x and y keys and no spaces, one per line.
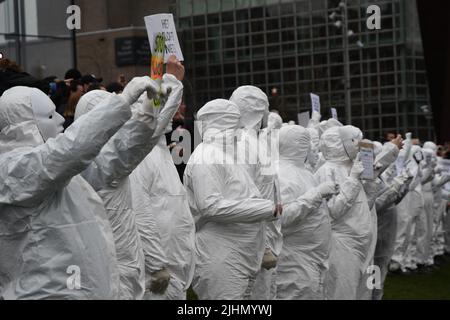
{"x":213,"y":5}
{"x":243,"y":41}
{"x":274,"y":77}
{"x":199,"y":6}
{"x":227,"y":16}
{"x":259,"y":78}
{"x":289,"y":62}
{"x":227,"y":5}
{"x":227,"y":30}
{"x":273,"y":37}
{"x":242,"y":27}
{"x":213,"y":32}
{"x":272,"y":11}
{"x":287,"y":22}
{"x":213,"y":18}
{"x":287,"y":8}
{"x":274,"y":64}
{"x":272,"y":24}
{"x":228,"y":43}
{"x":257,"y":12}
{"x":242,"y":14}
{"x":287,"y":36}
{"x":199,"y":20}
{"x":257,"y":26}
{"x":258,"y":39}
{"x":185,"y":8}
{"x":259,"y":65}
{"x":229,"y":68}
{"x":258,"y":52}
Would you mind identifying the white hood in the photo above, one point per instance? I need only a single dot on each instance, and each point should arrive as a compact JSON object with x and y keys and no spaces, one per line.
{"x":89,"y":101}
{"x":18,"y":127}
{"x":218,"y":117}
{"x":274,"y":121}
{"x":253,"y":105}
{"x":332,"y":146}
{"x":295,"y":143}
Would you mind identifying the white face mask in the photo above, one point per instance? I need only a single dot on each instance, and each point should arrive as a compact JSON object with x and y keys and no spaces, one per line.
{"x":418,"y":156}
{"x":350,"y":142}
{"x":48,"y":121}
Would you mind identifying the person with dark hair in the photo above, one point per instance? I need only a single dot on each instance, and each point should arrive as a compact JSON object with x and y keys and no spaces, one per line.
{"x":114,"y":87}
{"x":88,"y":80}
{"x":72,"y":74}
{"x":11,"y":75}
{"x":95,"y":86}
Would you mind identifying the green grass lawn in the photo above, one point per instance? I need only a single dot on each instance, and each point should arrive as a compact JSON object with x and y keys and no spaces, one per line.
{"x":434,"y":286}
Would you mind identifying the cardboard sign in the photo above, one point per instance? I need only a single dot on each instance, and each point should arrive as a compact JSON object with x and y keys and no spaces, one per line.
{"x":334,"y":113}
{"x":315,"y":102}
{"x":366,"y":154}
{"x":303,"y":119}
{"x":165,"y":25}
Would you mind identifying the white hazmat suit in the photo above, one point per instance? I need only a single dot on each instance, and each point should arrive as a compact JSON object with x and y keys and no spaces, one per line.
{"x":254,"y":106}
{"x":306,"y":228}
{"x":55,"y":238}
{"x":228,"y":208}
{"x":351,"y":220}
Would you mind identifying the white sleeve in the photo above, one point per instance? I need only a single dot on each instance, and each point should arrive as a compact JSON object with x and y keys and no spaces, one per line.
{"x":33,"y":175}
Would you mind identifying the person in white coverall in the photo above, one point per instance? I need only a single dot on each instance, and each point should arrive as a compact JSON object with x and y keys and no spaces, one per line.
{"x":110,"y":174}
{"x":306,"y":228}
{"x":428,"y":200}
{"x":228,"y":208}
{"x":408,"y":211}
{"x":440,"y":201}
{"x":157,"y":191}
{"x":253,"y":106}
{"x":383,"y":193}
{"x":351,"y":220}
{"x":55,"y":238}
{"x":265,"y":287}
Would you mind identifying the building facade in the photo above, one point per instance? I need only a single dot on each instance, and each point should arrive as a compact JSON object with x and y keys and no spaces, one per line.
{"x":34,"y":34}
{"x":296,"y":47}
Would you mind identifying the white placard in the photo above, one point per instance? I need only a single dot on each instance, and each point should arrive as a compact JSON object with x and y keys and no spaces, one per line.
{"x":367,"y":159}
{"x":334,"y":113}
{"x":164,"y":23}
{"x":315,"y":102}
{"x":303,"y":119}
{"x":399,"y":164}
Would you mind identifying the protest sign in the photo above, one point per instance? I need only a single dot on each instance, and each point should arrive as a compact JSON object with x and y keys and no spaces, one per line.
{"x":334,"y":113}
{"x":366,"y":155}
{"x":315,"y":102}
{"x":164,"y":24}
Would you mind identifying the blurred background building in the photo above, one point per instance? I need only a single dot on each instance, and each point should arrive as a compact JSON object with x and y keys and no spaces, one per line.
{"x":34,"y":33}
{"x":293,"y":46}
{"x":296,"y":47}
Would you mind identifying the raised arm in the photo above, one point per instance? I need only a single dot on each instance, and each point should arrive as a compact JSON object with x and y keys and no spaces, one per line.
{"x":29,"y":177}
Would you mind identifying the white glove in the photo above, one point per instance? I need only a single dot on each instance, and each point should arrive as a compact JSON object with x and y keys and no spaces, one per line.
{"x":328,"y":189}
{"x":357,"y":168}
{"x":269,"y":260}
{"x":159,"y":281}
{"x":173,"y":90}
{"x":137,"y":86}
